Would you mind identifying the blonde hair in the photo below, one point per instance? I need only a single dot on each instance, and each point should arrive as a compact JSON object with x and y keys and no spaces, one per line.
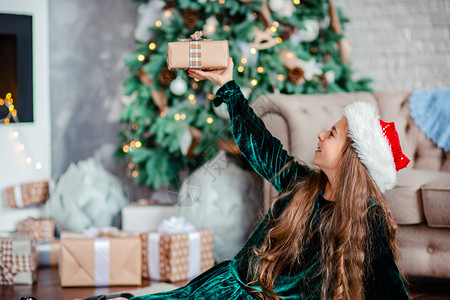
{"x":342,"y":231}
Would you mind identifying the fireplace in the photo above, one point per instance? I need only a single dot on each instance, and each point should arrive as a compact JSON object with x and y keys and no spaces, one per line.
{"x":16,"y":68}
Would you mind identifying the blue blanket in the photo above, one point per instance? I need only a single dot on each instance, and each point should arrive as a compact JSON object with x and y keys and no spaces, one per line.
{"x":430,"y":110}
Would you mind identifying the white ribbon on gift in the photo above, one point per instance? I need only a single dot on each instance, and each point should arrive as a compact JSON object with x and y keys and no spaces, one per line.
{"x":101,"y":260}
{"x":170,"y":226}
{"x":18,"y":195}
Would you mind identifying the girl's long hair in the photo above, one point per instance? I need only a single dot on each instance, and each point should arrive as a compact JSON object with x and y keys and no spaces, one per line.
{"x":342,"y":231}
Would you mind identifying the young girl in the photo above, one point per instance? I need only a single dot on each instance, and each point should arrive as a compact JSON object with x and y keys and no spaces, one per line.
{"x":329,"y":234}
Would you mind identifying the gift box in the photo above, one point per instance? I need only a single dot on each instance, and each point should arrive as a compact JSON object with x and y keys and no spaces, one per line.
{"x":197,"y":53}
{"x":42,"y":229}
{"x":48,"y":253}
{"x":145,"y":215}
{"x":93,"y":258}
{"x":27,"y":194}
{"x":176,"y":257}
{"x":10,"y":217}
{"x":17,"y":260}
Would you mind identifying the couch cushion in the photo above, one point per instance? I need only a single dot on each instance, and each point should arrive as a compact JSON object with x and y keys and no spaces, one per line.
{"x":436,"y":202}
{"x":405,"y":200}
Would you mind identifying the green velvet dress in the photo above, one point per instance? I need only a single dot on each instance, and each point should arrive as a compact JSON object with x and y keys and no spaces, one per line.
{"x":227,"y":280}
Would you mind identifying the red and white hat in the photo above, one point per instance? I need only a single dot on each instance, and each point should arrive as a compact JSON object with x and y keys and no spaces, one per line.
{"x":376,"y":143}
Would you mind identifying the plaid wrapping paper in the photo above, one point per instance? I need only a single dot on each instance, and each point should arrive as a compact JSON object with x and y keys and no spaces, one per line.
{"x":27,"y":194}
{"x":195,"y":51}
{"x":42,"y":229}
{"x":174,"y":255}
{"x":12,"y":263}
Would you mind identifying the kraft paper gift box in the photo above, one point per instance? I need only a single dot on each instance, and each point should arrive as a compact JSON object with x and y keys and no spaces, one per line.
{"x":48,"y":253}
{"x":10,"y":217}
{"x":145,"y":215}
{"x":176,"y":256}
{"x":197,"y":53}
{"x":27,"y":194}
{"x":42,"y":229}
{"x":99,"y":261}
{"x":17,"y":260}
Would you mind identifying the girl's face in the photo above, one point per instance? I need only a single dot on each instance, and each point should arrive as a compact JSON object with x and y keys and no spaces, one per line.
{"x":330,"y":146}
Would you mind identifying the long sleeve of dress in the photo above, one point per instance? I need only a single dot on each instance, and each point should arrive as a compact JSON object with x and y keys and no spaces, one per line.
{"x":384,"y":280}
{"x":264,"y":152}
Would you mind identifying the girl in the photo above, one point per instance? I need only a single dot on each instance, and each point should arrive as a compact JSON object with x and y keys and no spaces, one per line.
{"x":329,"y":234}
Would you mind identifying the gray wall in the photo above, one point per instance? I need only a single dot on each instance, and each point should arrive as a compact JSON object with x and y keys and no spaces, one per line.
{"x":402,"y":44}
{"x":88,"y":41}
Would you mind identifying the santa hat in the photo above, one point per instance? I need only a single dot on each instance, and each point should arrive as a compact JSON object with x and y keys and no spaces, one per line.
{"x":376,"y":143}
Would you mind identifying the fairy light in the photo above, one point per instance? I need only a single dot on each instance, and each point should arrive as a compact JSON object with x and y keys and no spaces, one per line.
{"x":191,"y":97}
{"x":28,"y":160}
{"x":21,"y":147}
{"x":38,"y":165}
{"x":195,"y":85}
{"x":210,"y":96}
{"x":125,"y":149}
{"x":296,"y":2}
{"x":254,"y":82}
{"x":280,"y":77}
{"x":15,"y":134}
{"x":273,"y":29}
{"x":132,"y":144}
{"x":6,"y":121}
{"x":226,"y":28}
{"x":14,"y":113}
{"x":2,"y":102}
{"x":163,"y":114}
{"x":279,"y":40}
{"x":130,"y":165}
{"x":134,"y":126}
{"x":158,"y":23}
{"x":196,"y":80}
{"x":260,"y":69}
{"x":289,"y":55}
{"x":240,"y":69}
{"x":141,"y":57}
{"x":183,"y":117}
{"x":193,"y":101}
{"x":135,"y":174}
{"x":138,"y":144}
{"x":152,"y":46}
{"x":209,"y":120}
{"x":167,"y":14}
{"x":177,"y":117}
{"x":276,"y":24}
{"x":8,"y":97}
{"x":243,"y":60}
{"x":253,"y":51}
{"x":11,"y":107}
{"x":222,"y":1}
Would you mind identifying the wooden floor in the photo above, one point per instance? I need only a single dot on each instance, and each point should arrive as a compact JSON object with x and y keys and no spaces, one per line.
{"x":48,"y":288}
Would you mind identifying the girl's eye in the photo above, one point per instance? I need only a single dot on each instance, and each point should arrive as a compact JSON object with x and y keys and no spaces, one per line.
{"x":331,"y":132}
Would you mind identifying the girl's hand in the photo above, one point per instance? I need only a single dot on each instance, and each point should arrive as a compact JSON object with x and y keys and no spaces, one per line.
{"x":219,"y":77}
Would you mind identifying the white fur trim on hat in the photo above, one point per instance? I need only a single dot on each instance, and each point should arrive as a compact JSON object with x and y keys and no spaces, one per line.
{"x":369,"y":142}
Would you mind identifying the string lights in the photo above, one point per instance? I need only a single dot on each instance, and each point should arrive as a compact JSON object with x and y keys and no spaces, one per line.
{"x":12,"y":112}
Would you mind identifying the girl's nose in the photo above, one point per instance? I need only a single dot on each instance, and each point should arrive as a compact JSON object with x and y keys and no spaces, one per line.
{"x":321,"y":135}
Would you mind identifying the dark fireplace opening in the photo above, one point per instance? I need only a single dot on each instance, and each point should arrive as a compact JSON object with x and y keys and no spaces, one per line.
{"x":16,"y":68}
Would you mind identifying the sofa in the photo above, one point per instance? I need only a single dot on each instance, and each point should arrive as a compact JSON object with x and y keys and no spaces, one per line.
{"x":420,"y":202}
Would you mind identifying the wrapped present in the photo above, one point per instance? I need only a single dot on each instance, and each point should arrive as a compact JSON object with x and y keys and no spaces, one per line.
{"x":17,"y":260}
{"x":42,"y":229}
{"x":173,"y":257}
{"x":48,"y":253}
{"x":145,"y":215}
{"x":99,"y":258}
{"x":27,"y":194}
{"x":197,"y":53}
{"x":10,"y":217}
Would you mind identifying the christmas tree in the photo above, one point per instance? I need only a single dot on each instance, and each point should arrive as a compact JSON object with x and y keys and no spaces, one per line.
{"x":169,"y":122}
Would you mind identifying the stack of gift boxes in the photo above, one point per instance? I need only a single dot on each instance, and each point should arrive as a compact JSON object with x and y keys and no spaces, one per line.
{"x":104,"y":257}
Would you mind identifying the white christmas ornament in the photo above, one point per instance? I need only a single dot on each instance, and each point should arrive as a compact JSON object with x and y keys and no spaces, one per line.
{"x":330,"y":76}
{"x":246,"y":53}
{"x":210,"y":26}
{"x":222,"y":111}
{"x":284,"y":8}
{"x":178,"y":86}
{"x":309,"y":67}
{"x":310,"y":32}
{"x":185,"y":142}
{"x":149,"y":14}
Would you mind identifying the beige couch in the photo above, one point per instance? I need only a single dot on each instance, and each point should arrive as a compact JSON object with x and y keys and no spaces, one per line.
{"x":420,"y":202}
